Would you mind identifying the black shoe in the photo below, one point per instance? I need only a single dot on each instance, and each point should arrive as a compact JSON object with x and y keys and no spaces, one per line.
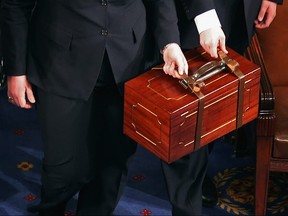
{"x":47,"y":210}
{"x":209,"y":193}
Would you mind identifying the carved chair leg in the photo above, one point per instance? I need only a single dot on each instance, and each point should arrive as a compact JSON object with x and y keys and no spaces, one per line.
{"x":263,"y":155}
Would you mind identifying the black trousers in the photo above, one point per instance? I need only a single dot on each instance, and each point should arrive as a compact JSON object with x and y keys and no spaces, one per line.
{"x":237,"y":39}
{"x":85,"y":149}
{"x":184,"y":179}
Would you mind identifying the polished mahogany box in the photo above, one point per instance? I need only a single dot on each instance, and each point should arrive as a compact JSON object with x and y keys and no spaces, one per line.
{"x":172,"y":117}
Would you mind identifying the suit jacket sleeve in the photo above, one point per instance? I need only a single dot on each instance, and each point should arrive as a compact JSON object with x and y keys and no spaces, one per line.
{"x":193,"y":8}
{"x":277,"y":1}
{"x":16,"y":16}
{"x":162,"y":20}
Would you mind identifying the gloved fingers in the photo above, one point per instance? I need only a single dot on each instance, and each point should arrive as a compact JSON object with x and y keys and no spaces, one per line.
{"x":222,"y":45}
{"x":175,"y":61}
{"x":212,"y":39}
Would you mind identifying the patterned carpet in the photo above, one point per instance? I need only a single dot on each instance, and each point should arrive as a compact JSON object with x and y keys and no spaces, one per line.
{"x":236,"y":189}
{"x":145,"y":194}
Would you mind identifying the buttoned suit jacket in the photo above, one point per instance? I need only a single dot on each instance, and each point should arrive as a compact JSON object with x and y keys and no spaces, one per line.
{"x":60,"y":44}
{"x":189,"y":9}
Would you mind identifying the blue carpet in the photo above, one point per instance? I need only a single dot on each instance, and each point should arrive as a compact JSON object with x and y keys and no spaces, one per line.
{"x":145,"y":193}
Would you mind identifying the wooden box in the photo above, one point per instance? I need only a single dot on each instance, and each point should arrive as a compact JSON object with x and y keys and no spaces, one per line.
{"x":171,"y":121}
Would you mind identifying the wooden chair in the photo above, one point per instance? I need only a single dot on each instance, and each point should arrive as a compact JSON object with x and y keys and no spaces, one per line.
{"x":269,"y":49}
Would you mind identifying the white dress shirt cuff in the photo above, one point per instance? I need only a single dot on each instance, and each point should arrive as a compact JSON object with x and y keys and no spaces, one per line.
{"x":206,"y":20}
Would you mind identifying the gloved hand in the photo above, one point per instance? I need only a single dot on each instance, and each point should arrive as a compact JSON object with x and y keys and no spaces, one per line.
{"x":175,"y":62}
{"x":211,"y":39}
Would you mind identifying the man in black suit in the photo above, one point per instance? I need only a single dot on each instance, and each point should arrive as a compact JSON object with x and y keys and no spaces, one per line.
{"x":215,"y":23}
{"x":70,"y":58}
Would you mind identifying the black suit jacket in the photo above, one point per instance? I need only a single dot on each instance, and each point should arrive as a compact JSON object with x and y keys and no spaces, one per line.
{"x":60,"y":44}
{"x":0,"y":29}
{"x":189,"y":9}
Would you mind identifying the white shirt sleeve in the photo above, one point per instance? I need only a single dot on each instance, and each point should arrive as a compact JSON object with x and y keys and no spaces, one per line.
{"x":206,"y":20}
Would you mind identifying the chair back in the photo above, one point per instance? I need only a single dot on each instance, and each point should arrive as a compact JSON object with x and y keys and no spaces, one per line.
{"x":274,"y":45}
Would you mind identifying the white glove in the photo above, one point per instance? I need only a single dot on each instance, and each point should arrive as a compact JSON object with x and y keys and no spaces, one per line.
{"x":175,"y":62}
{"x":211,"y":39}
